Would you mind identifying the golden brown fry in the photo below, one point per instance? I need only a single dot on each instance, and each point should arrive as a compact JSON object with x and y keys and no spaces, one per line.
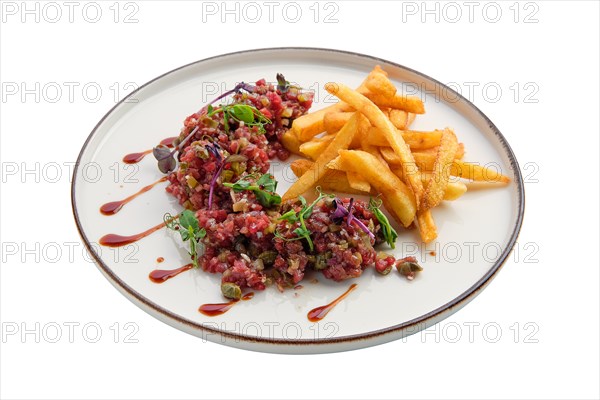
{"x":341,"y":141}
{"x":398,"y":196}
{"x":334,"y":121}
{"x":461,"y":169}
{"x":400,"y":102}
{"x":460,"y":152}
{"x":411,"y":119}
{"x":332,"y":180}
{"x":399,"y":118}
{"x":436,"y":187}
{"x":378,"y":82}
{"x":300,"y":166}
{"x":454,"y":190}
{"x":416,"y":140}
{"x":357,"y":182}
{"x":477,"y":172}
{"x":362,"y":133}
{"x":426,"y":225}
{"x":313,"y":148}
{"x":310,"y":125}
{"x":378,"y":119}
{"x":291,"y":142}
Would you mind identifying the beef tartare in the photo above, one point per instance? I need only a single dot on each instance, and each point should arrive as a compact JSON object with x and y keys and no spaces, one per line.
{"x":235,"y":221}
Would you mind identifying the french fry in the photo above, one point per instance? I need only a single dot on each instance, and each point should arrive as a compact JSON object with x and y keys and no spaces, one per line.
{"x":313,"y":148}
{"x":398,"y":196}
{"x":454,"y":190}
{"x":310,"y":125}
{"x":460,"y":152}
{"x":378,"y":119}
{"x":410,"y":120}
{"x":378,"y":82}
{"x":356,"y":181}
{"x":400,"y":102}
{"x":341,"y":141}
{"x":362,"y":133}
{"x":291,"y":142}
{"x":476,"y":172}
{"x":426,"y":225}
{"x":300,"y":166}
{"x":416,"y":140}
{"x":399,"y":118}
{"x":332,"y":180}
{"x":425,"y":161}
{"x":334,"y":121}
{"x":436,"y":187}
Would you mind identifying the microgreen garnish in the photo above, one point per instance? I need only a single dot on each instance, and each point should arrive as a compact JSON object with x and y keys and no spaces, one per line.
{"x":164,"y":155}
{"x":189,"y":229}
{"x":292,"y":216}
{"x":389,"y":234}
{"x":264,"y":188}
{"x":340,"y":212}
{"x":247,"y":87}
{"x":245,"y":113}
{"x":282,"y":84}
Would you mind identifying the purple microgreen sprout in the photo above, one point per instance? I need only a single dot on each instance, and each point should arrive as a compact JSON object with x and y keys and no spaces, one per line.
{"x":282,"y":84}
{"x":340,"y":212}
{"x":245,"y":86}
{"x":164,"y":155}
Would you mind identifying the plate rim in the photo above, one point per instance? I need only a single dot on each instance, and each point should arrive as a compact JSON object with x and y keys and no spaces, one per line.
{"x":449,"y":307}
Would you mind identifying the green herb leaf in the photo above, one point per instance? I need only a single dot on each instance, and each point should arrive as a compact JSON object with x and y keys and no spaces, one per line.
{"x":291,"y":216}
{"x":243,"y":112}
{"x":267,"y":182}
{"x":389,"y":234}
{"x":189,"y":230}
{"x":187,"y":219}
{"x":264,"y":188}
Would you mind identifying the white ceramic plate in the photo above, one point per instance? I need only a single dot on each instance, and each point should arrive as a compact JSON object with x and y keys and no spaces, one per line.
{"x":476,"y":233}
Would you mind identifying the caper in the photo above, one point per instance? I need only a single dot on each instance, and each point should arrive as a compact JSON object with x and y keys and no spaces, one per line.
{"x":231,"y":290}
{"x":239,"y":245}
{"x":268,"y":257}
{"x":386,"y":271}
{"x":409,"y":269}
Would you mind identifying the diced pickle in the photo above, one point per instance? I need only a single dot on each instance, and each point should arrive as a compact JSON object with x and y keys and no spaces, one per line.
{"x":226,"y":175}
{"x":238,"y":167}
{"x":191,"y":181}
{"x":321,"y":260}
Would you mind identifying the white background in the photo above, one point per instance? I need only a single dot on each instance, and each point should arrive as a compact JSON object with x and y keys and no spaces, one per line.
{"x":545,"y":300}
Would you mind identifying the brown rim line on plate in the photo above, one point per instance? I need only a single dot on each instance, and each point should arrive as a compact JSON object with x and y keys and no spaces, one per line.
{"x":446,"y":95}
